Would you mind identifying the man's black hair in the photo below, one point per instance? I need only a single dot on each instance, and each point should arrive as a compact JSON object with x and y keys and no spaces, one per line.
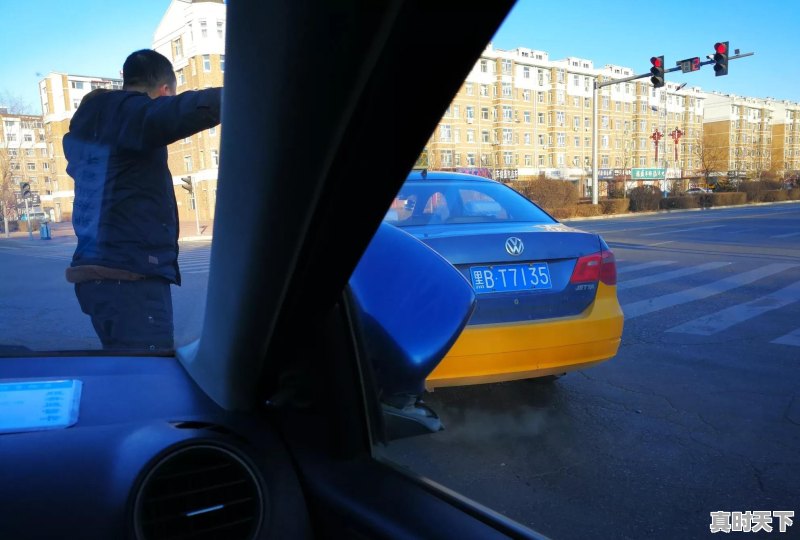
{"x":147,"y":69}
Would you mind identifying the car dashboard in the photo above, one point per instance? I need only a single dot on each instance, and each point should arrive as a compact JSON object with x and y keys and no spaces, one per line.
{"x":149,"y":454}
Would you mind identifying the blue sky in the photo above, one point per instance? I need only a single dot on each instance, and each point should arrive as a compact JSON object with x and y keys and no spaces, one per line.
{"x":93,"y":37}
{"x":628,"y":33}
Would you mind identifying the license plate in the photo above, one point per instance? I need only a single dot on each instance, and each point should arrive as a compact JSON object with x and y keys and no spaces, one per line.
{"x":510,"y":277}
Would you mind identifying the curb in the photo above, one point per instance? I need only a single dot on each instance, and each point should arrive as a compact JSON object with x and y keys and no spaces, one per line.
{"x":673,"y":211}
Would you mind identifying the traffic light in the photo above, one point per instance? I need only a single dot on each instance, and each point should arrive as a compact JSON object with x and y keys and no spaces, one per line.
{"x":187,"y":184}
{"x":658,"y":71}
{"x":721,"y":58}
{"x":26,"y":190}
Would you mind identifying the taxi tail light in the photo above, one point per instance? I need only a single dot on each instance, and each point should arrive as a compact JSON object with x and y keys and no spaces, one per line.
{"x":597,"y":266}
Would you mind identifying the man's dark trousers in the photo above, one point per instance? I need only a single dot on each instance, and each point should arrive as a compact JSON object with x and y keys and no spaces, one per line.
{"x":129,"y":314}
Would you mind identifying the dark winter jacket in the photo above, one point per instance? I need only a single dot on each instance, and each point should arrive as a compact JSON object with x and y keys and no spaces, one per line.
{"x":125,"y":214}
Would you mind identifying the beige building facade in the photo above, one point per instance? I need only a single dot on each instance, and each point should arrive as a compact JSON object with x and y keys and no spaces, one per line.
{"x":24,"y":158}
{"x":521,"y":115}
{"x":192,"y":35}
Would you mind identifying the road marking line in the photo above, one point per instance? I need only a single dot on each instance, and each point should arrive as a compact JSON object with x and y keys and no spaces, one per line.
{"x":792,"y":338}
{"x":643,"y":307}
{"x":666,"y":276}
{"x":722,"y":320}
{"x":787,"y":235}
{"x":682,"y":230}
{"x":661,"y":243}
{"x":643,"y":266}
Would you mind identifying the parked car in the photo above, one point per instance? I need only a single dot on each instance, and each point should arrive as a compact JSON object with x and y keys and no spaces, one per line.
{"x":547,"y":300}
{"x":697,"y":190}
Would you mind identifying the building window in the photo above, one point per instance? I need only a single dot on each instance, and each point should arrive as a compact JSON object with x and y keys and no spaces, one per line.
{"x":468,"y":89}
{"x":541,"y":140}
{"x":222,"y":63}
{"x":447,"y":158}
{"x":540,"y":118}
{"x":527,"y":117}
{"x":508,"y":135}
{"x":485,"y":135}
{"x":203,"y":28}
{"x":444,"y":133}
{"x":577,"y":142}
{"x":220,"y":29}
{"x":27,"y":137}
{"x":560,"y":118}
{"x":526,"y":73}
{"x":508,"y":158}
{"x":528,"y":160}
{"x":456,"y":111}
{"x":187,"y":163}
{"x":206,"y":62}
{"x":470,"y":159}
{"x":29,"y":152}
{"x":76,"y":103}
{"x":31,"y":166}
{"x":484,"y":90}
{"x":46,"y":166}
{"x":177,"y":48}
{"x":507,"y":113}
{"x":470,"y":135}
{"x":541,"y":160}
{"x":506,"y":66}
{"x":526,"y":95}
{"x":77,"y":85}
{"x":215,"y":158}
{"x":484,"y":66}
{"x":470,"y":112}
{"x":527,"y":138}
{"x":561,"y":139}
{"x":181,"y":78}
{"x":506,"y":89}
{"x":484,"y":113}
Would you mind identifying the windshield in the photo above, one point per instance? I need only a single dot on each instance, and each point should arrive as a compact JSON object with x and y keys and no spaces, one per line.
{"x":108,"y":176}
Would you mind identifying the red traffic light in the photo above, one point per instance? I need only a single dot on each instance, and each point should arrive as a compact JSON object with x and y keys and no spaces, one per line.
{"x":656,"y":61}
{"x":721,"y":48}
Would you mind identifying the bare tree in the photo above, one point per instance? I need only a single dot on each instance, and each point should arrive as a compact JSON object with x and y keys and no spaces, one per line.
{"x":8,"y":201}
{"x":712,"y":160}
{"x":14,"y":103}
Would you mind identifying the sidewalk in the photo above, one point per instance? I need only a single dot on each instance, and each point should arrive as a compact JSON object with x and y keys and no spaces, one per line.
{"x":63,"y":229}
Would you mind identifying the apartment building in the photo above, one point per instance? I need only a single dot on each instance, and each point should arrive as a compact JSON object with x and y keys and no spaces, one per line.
{"x":520,"y":114}
{"x":24,"y":157}
{"x":738,"y":136}
{"x":786,"y":138}
{"x":60,"y":95}
{"x":192,"y":35}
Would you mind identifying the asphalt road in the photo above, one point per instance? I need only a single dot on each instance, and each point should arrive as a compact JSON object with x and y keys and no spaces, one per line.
{"x":38,"y":307}
{"x":699,"y":411}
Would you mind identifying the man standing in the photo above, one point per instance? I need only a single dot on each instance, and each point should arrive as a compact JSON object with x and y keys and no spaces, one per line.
{"x":125,"y":213}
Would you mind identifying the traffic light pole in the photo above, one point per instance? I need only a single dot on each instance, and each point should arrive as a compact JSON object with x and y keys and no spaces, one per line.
{"x":28,"y":219}
{"x":595,"y":93}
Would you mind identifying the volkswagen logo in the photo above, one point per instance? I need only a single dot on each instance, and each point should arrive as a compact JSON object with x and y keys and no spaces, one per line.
{"x":514,"y":246}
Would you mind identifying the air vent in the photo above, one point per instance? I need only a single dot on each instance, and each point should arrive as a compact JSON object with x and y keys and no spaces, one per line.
{"x":199,"y":493}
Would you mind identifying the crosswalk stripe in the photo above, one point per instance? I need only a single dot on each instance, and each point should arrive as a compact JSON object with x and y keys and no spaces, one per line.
{"x":722,"y":320}
{"x":792,"y":338}
{"x":643,"y":266}
{"x":666,"y":276}
{"x":650,"y":305}
{"x":682,"y":230}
